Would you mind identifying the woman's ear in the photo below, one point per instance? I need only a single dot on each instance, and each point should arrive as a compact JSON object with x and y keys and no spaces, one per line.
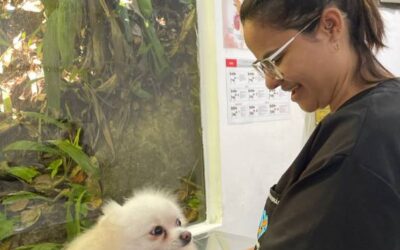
{"x":332,"y":24}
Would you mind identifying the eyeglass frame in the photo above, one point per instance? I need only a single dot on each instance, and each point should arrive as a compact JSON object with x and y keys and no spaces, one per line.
{"x":274,"y":72}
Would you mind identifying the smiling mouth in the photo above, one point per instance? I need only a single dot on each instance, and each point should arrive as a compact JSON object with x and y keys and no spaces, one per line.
{"x":290,"y":88}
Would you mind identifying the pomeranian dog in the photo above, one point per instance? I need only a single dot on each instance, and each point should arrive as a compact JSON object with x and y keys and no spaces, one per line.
{"x":150,"y":220}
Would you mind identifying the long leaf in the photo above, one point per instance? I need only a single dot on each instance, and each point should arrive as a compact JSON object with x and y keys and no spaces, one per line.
{"x":70,"y":225}
{"x":78,"y":156}
{"x":6,"y":227}
{"x":121,"y":48}
{"x":7,"y":102}
{"x":46,"y":119}
{"x":157,"y":56}
{"x":187,"y":25}
{"x":24,"y":173}
{"x":50,"y":6}
{"x":78,"y":206}
{"x":101,"y":119}
{"x":42,"y":246}
{"x":73,"y":227}
{"x":31,"y":146}
{"x":54,"y":166}
{"x":22,"y":195}
{"x":146,"y":8}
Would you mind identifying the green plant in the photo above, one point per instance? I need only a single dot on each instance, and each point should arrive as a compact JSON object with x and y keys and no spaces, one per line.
{"x":119,"y":94}
{"x":70,"y":177}
{"x":42,"y":246}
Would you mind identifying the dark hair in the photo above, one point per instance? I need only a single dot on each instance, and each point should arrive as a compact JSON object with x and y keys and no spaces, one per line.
{"x":365,"y":25}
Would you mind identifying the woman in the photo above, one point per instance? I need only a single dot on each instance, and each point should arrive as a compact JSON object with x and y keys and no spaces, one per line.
{"x":343,"y":190}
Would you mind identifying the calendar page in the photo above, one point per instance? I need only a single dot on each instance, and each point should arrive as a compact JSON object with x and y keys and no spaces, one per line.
{"x":248,"y":98}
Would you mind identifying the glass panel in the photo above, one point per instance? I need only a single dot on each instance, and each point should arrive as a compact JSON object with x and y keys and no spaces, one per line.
{"x":97,"y":98}
{"x":217,"y":240}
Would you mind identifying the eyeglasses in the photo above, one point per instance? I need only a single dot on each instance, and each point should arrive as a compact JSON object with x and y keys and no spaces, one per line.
{"x":267,"y":66}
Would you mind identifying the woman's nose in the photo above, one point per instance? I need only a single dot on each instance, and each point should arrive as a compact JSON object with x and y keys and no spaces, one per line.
{"x":271,"y":82}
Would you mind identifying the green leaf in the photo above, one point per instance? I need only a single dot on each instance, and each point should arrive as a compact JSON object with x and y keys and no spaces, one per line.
{"x":7,"y":102}
{"x":50,"y":6}
{"x":31,"y":146}
{"x":46,"y":119}
{"x":4,"y":42}
{"x":78,"y":207}
{"x":24,"y":173}
{"x":77,"y":137}
{"x":74,"y":198}
{"x":146,"y":8}
{"x":42,"y":246}
{"x":194,"y":202}
{"x":70,"y":226}
{"x":190,"y":3}
{"x":78,"y":156}
{"x":157,"y":56}
{"x":6,"y":227}
{"x":22,"y":195}
{"x":137,"y":90}
{"x":54,"y":166}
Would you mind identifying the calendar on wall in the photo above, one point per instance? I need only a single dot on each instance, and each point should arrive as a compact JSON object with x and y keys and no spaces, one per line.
{"x":248,"y":98}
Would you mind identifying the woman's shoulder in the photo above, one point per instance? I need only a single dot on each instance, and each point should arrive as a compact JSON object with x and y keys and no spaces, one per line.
{"x":377,"y":147}
{"x":380,"y":104}
{"x":368,"y":131}
{"x":386,"y":88}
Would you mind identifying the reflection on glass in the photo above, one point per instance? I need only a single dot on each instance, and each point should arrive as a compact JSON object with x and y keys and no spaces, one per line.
{"x":97,"y":98}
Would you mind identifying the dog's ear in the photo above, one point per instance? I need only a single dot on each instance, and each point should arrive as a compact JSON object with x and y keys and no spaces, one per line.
{"x":112,"y":213}
{"x":111,"y":207}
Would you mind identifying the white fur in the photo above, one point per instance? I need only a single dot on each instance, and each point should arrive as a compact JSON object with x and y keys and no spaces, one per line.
{"x":128,"y":227}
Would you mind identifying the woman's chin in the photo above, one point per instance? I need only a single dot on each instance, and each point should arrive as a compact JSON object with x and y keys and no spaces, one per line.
{"x":307,"y":107}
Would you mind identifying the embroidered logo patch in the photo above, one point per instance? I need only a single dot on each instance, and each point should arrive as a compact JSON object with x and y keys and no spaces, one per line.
{"x":262,"y":228}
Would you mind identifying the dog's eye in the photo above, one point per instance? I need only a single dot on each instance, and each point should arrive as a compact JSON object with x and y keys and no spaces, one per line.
{"x":178,"y":222}
{"x":158,"y":230}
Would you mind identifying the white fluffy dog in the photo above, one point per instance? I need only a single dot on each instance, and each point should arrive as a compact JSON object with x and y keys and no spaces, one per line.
{"x":150,"y":220}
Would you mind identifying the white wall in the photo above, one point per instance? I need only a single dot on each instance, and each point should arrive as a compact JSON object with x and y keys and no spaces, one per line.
{"x":390,"y":57}
{"x":254,"y":156}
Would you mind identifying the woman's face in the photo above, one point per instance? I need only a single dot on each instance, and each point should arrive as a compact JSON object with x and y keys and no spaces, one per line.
{"x":308,"y":65}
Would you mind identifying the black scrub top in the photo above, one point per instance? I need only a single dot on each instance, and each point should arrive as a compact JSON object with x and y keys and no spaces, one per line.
{"x":342,"y":192}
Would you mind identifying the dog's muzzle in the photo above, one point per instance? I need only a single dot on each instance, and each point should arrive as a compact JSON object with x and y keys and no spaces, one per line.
{"x":185,"y":237}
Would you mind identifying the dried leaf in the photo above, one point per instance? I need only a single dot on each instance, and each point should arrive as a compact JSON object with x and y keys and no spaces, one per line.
{"x":5,"y":244}
{"x":95,"y":203}
{"x":29,"y":218}
{"x":187,"y":25}
{"x":108,"y":85}
{"x":43,"y":183}
{"x":22,"y":195}
{"x":78,"y":176}
{"x":18,"y":205}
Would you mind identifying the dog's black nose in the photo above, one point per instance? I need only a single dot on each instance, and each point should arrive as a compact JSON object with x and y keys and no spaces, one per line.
{"x":185,"y":237}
